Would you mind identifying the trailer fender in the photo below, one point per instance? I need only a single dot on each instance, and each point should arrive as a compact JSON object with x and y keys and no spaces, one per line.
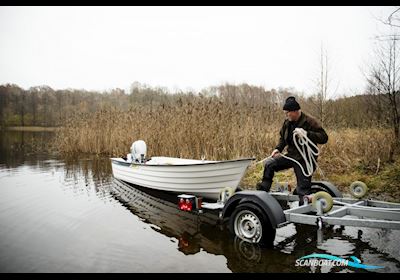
{"x":264,"y":200}
{"x":326,"y":186}
{"x":329,"y":187}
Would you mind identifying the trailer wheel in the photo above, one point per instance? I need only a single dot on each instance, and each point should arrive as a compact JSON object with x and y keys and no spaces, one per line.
{"x":249,"y":223}
{"x":325,"y":199}
{"x":358,"y":189}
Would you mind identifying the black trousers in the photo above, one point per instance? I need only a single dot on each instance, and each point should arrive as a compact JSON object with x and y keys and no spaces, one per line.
{"x":279,"y":163}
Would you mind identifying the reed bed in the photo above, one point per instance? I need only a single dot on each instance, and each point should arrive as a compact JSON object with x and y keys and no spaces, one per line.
{"x":212,"y":129}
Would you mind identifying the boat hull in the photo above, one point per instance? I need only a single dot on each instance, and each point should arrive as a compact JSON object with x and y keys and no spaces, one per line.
{"x":200,"y":179}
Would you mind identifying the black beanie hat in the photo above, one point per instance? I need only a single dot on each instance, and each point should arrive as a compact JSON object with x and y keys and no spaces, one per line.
{"x":291,"y":104}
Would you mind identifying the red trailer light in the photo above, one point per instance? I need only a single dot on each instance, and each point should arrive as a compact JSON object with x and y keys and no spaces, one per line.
{"x":185,"y":205}
{"x":186,"y":202}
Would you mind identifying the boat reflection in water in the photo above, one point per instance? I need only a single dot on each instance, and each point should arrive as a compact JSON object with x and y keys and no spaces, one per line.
{"x":194,"y":232}
{"x":197,"y":232}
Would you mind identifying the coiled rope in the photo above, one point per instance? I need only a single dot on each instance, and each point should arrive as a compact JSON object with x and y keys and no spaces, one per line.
{"x":303,"y":145}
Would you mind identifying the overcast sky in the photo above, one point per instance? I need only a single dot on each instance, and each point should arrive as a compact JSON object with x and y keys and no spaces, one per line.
{"x":99,"y":48}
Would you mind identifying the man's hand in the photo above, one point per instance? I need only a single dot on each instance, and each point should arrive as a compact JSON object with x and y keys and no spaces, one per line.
{"x":275,"y":153}
{"x":300,"y":132}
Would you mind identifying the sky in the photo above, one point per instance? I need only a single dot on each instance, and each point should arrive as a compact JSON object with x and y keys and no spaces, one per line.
{"x":187,"y":48}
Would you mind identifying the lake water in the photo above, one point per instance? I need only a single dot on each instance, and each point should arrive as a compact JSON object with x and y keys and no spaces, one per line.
{"x":69,"y":215}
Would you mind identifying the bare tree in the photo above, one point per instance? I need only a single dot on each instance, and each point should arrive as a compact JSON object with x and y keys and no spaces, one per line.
{"x":384,"y":79}
{"x":377,"y":104}
{"x":319,"y":100}
{"x":393,"y":19}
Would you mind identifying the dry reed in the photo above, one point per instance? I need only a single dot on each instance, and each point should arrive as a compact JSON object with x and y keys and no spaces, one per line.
{"x":210,"y":128}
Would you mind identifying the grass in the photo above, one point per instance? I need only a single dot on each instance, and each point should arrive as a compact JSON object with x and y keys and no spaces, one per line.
{"x":215,"y":131}
{"x":219,"y":131}
{"x":383,"y":185}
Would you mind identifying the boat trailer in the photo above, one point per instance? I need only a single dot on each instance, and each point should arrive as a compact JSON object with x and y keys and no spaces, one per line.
{"x":254,"y":215}
{"x":346,"y":212}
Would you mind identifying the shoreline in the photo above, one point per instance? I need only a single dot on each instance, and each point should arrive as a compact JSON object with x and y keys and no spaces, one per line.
{"x":30,"y":128}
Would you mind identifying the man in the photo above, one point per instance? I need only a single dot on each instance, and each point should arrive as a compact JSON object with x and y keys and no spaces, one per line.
{"x":304,"y":125}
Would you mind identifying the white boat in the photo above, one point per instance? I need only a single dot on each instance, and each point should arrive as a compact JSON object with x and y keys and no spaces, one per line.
{"x":203,"y":178}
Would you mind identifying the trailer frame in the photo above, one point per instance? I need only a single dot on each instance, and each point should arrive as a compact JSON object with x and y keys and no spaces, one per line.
{"x":345,"y":211}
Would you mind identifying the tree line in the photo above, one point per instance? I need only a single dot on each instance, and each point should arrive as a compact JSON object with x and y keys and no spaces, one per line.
{"x":44,"y":106}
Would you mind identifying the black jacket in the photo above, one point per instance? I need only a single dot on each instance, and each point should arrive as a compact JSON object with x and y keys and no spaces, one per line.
{"x":314,"y":132}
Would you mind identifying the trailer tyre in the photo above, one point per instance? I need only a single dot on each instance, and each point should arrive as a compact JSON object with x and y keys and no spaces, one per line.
{"x":249,"y":223}
{"x":358,"y":189}
{"x":325,"y":199}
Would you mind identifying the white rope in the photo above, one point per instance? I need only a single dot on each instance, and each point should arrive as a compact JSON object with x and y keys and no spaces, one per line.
{"x":303,"y":145}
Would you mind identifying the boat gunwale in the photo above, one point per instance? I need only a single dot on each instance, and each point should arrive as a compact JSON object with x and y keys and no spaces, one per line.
{"x":121,"y":161}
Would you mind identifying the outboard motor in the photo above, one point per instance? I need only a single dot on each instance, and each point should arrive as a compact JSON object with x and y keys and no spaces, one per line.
{"x":138,"y":151}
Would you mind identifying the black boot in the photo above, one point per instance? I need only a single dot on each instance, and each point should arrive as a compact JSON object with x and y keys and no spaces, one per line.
{"x":263,"y":186}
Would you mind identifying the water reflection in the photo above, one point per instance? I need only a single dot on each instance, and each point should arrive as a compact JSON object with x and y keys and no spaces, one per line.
{"x":22,"y":147}
{"x":88,"y":175}
{"x":36,"y":190}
